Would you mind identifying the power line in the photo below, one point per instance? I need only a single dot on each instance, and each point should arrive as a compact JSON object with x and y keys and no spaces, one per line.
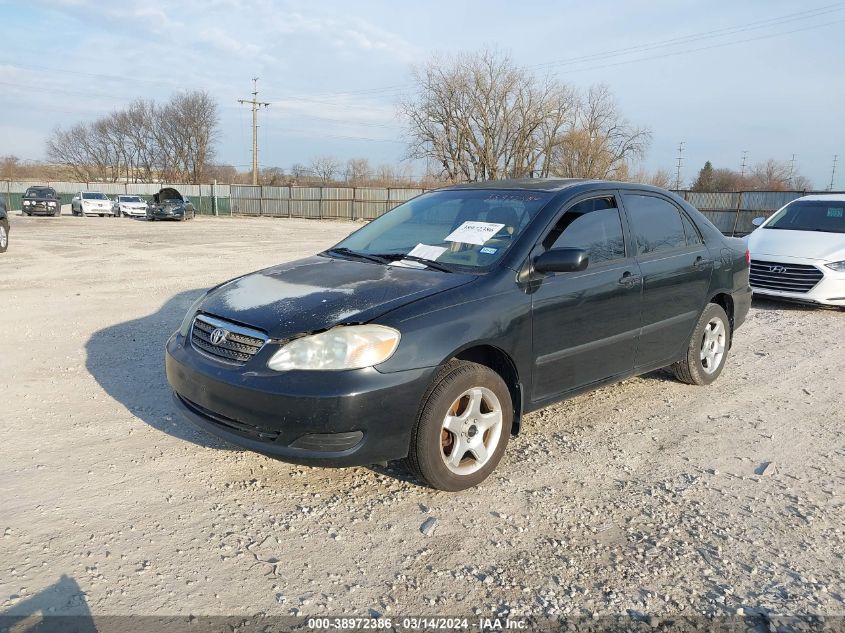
{"x":255,"y":105}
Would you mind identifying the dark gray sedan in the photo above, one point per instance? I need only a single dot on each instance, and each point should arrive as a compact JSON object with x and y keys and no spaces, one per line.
{"x":169,"y":204}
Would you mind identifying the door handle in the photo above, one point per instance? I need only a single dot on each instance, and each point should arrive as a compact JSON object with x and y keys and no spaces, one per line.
{"x":629,"y":280}
{"x":701,"y":262}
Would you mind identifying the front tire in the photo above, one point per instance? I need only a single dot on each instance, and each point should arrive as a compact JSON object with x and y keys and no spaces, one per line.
{"x":463,"y":427}
{"x":708,"y":348}
{"x":4,"y":236}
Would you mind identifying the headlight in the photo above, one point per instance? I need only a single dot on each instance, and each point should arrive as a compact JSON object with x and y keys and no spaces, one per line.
{"x":837,"y":266}
{"x":190,"y":314}
{"x":343,"y":347}
{"x":26,"y":203}
{"x":51,"y":204}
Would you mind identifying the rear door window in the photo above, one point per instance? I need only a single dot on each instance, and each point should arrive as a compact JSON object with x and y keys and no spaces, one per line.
{"x":655,"y":223}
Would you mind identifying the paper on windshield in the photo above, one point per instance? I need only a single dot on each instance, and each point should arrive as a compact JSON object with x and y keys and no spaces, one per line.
{"x":407,"y":263}
{"x":424,"y":251}
{"x":474,"y":232}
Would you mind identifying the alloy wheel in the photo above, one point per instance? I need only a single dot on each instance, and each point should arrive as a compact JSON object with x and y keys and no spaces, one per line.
{"x":713,"y":343}
{"x":471,"y":431}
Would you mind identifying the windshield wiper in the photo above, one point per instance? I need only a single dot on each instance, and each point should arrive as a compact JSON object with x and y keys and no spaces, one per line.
{"x":428,"y":262}
{"x":348,"y":252}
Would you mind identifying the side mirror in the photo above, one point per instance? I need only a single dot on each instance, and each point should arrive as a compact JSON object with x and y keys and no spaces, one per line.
{"x":758,"y":221}
{"x":561,"y":260}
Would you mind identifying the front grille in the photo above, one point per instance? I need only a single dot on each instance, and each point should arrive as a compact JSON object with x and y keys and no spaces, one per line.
{"x":238,"y":345}
{"x":799,"y":278}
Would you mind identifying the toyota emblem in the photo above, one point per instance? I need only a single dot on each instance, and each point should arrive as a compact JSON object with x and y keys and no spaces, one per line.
{"x":218,"y":336}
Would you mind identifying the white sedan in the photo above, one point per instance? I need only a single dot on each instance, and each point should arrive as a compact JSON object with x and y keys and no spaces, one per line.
{"x":91,"y":203}
{"x":799,"y":252}
{"x":130,"y":206}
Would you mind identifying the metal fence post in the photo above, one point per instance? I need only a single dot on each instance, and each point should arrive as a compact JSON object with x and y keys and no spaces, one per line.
{"x":736,"y":217}
{"x":352,"y":211}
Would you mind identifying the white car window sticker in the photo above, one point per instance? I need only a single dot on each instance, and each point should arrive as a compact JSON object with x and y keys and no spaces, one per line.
{"x":474,"y":232}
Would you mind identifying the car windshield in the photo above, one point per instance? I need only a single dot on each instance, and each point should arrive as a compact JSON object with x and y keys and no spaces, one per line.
{"x":810,"y":215}
{"x":39,"y":192}
{"x":94,"y":196}
{"x":130,"y":199}
{"x":463,"y":227}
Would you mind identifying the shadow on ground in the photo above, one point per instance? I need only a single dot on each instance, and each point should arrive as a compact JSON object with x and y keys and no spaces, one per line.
{"x":127,"y":360}
{"x":62,"y":603}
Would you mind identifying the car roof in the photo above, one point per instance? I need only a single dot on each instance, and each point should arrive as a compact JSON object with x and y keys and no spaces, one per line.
{"x":832,"y":197}
{"x":552,"y":184}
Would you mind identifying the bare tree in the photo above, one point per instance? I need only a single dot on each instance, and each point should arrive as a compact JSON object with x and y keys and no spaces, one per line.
{"x":659,"y":178}
{"x":601,"y":143}
{"x":771,"y":175}
{"x":479,"y":116}
{"x":358,"y":170}
{"x":325,"y":167}
{"x":144,"y":142}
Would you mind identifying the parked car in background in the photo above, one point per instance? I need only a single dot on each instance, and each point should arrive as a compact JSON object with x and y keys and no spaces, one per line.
{"x":798,"y":254}
{"x":4,"y":226}
{"x":91,"y":203}
{"x":169,"y":204}
{"x":41,"y":201}
{"x":130,"y":206}
{"x":428,"y":333}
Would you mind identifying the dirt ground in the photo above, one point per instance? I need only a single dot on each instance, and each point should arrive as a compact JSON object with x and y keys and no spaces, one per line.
{"x":642,"y":498}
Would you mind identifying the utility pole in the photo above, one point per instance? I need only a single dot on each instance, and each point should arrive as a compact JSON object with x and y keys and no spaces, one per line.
{"x":833,"y":172}
{"x":680,"y":161}
{"x":744,"y":157}
{"x":255,"y":105}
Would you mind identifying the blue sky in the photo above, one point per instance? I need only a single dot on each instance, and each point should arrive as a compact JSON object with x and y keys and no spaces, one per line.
{"x":761,"y":76}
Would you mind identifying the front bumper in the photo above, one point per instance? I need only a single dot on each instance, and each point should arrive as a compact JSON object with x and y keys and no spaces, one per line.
{"x":345,"y":418}
{"x":41,"y":208}
{"x":97,"y":210}
{"x":828,"y":291}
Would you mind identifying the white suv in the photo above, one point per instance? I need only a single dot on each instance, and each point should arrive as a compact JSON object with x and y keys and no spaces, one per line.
{"x":799,"y":252}
{"x":91,"y":203}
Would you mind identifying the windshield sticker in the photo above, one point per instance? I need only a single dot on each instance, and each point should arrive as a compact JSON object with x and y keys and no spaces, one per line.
{"x":489,"y":250}
{"x":834,"y":212}
{"x":424,"y":251}
{"x":474,"y":232}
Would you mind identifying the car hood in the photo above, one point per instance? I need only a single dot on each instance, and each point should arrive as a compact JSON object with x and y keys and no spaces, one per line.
{"x":828,"y":247}
{"x":319,"y":292}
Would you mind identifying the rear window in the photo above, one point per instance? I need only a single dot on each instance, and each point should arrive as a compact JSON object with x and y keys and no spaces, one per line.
{"x":656,"y":224}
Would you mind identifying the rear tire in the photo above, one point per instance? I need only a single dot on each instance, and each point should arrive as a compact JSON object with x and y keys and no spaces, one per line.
{"x":708,"y":348}
{"x":4,"y":236}
{"x":463,"y":427}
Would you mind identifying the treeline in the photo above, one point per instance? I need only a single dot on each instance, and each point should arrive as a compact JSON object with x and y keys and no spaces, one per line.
{"x":771,"y":175}
{"x":145,"y":142}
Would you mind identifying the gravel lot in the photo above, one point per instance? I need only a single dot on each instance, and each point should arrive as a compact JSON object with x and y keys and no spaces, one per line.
{"x":647,"y":497}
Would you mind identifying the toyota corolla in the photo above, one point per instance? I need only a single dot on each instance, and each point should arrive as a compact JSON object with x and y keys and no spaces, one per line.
{"x":429,"y":333}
